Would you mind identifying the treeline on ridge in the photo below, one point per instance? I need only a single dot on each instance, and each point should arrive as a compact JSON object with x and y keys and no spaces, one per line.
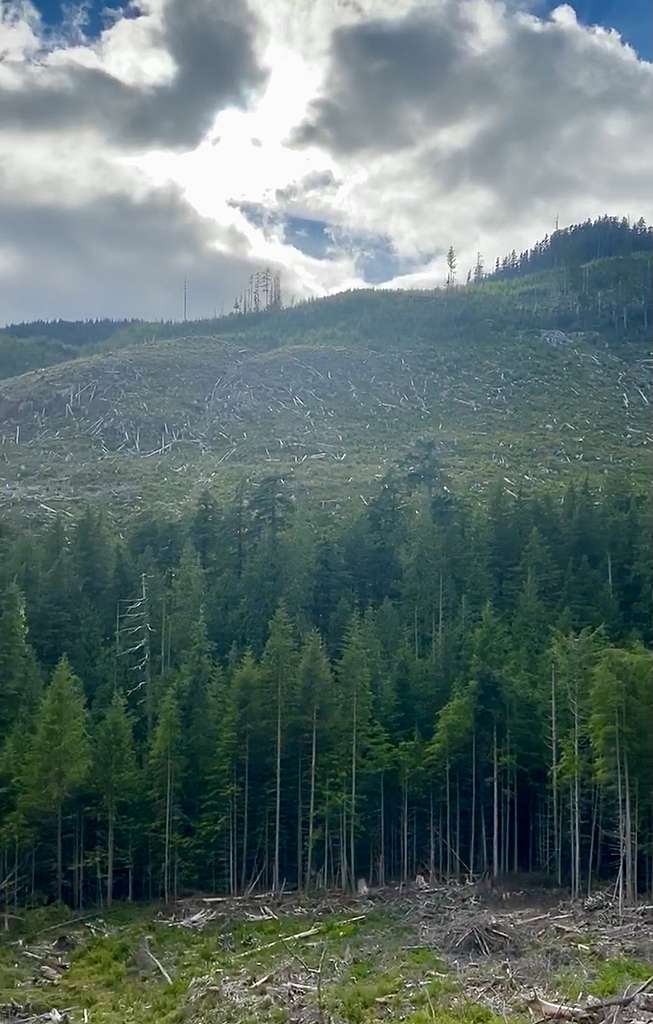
{"x":603,"y":238}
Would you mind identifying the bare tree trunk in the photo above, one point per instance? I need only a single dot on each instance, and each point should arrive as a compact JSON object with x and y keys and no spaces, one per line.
{"x":576,"y":871}
{"x":440,"y":843}
{"x":59,"y":854}
{"x":81,"y":859}
{"x":266,"y":859}
{"x":130,"y":874}
{"x":16,"y":879}
{"x":352,"y":822}
{"x":147,"y":668}
{"x":166,"y":852}
{"x":448,"y":792}
{"x":599,"y":836}
{"x":233,"y":844}
{"x":554,"y":778}
{"x":382,"y":833}
{"x":433,"y":635}
{"x":472,"y":828}
{"x":484,"y":861}
{"x":110,"y":850}
{"x":311,"y":799}
{"x":515,"y":822}
{"x":75,"y":862}
{"x":243,"y":867}
{"x":404,"y":828}
{"x":344,"y":869}
{"x":495,"y":818}
{"x":572,"y":859}
{"x":505,"y":809}
{"x":431,"y":841}
{"x":3,"y":874}
{"x":628,"y":835}
{"x":440,"y":615}
{"x":300,"y":843}
{"x":277,"y":806}
{"x":457,"y":849}
{"x":326,"y":835}
{"x":590,"y":858}
{"x":415,"y":632}
{"x":621,"y":819}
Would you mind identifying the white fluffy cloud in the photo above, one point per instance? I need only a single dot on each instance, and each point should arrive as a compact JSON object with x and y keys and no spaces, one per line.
{"x":130,"y":160}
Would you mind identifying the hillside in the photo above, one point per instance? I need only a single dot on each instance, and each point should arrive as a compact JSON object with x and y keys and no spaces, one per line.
{"x":530,"y":379}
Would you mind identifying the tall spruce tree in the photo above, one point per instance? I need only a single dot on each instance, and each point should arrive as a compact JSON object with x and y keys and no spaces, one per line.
{"x":166,"y":766}
{"x":315,"y":704}
{"x":59,"y":754}
{"x":279,"y":665}
{"x":354,"y":691}
{"x":115,"y":773}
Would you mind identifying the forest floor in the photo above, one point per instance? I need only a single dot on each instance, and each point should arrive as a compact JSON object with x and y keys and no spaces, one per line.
{"x":452,"y":954}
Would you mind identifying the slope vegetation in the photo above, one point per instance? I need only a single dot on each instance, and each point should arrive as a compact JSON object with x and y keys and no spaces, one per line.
{"x":529,"y":380}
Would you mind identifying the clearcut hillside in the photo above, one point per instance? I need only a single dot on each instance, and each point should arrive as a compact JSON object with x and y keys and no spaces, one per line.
{"x":529,"y":379}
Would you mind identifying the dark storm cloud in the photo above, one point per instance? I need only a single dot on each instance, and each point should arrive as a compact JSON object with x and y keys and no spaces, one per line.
{"x":114,"y":256}
{"x":393,"y":83}
{"x":388,"y":78}
{"x":212,"y":43}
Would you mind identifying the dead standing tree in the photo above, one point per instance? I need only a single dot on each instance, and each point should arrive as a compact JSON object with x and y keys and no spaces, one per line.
{"x":133,"y":631}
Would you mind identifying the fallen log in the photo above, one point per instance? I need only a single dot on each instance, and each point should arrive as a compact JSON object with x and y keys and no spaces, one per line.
{"x":592,"y":1010}
{"x":559,"y":1011}
{"x":158,"y":964}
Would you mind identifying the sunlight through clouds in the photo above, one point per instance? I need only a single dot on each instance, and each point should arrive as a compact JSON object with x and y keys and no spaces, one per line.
{"x":400,"y":127}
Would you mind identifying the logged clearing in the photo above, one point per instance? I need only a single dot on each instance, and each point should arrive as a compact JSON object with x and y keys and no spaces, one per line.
{"x":456,"y":954}
{"x":520,"y":382}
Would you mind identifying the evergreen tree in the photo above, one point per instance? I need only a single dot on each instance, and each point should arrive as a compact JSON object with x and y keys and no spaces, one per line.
{"x":19,"y":674}
{"x":59,"y":753}
{"x":166,"y":766}
{"x":187,"y":601}
{"x":315,"y":697}
{"x":355,"y":696}
{"x":115,"y":773}
{"x":279,"y":663}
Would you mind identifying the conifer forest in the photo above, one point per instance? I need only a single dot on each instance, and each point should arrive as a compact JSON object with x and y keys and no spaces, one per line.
{"x":248,"y":698}
{"x":326,"y":561}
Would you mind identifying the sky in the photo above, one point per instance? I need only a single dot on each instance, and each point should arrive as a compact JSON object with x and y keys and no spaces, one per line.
{"x":344,"y":143}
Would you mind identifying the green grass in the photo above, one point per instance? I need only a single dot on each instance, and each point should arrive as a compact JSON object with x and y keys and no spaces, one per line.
{"x":613,"y":976}
{"x":601,"y":978}
{"x":370,"y":969}
{"x":374,"y":970}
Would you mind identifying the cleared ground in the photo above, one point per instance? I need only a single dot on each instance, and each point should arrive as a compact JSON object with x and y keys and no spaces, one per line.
{"x":455,"y":954}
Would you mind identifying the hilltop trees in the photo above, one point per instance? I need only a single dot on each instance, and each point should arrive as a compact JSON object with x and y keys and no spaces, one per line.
{"x":601,"y":238}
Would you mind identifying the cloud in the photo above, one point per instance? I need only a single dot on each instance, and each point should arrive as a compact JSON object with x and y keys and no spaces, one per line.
{"x":118,"y":256}
{"x":205,"y":53}
{"x":470,"y":121}
{"x":393,"y":83}
{"x":312,"y":184}
{"x":345,"y":142}
{"x":384,"y":76}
